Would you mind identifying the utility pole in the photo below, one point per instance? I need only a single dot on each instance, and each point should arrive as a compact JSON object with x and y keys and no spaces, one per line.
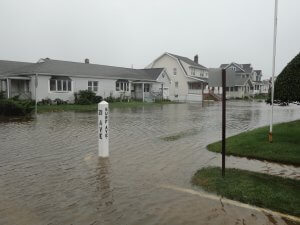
{"x":273,"y":71}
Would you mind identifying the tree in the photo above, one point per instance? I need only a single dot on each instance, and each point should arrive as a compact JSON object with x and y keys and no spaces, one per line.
{"x":287,"y":84}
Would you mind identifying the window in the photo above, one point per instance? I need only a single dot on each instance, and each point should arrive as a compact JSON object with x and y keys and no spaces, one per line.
{"x":192,"y":71}
{"x":93,"y":86}
{"x":122,"y":85}
{"x":231,"y":89}
{"x":60,"y":85}
{"x":233,"y":68}
{"x":174,"y":71}
{"x":176,"y":84}
{"x":194,"y":86}
{"x":236,"y":88}
{"x":146,"y":87}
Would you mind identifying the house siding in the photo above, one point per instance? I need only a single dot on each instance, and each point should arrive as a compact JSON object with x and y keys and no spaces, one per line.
{"x":179,"y":93}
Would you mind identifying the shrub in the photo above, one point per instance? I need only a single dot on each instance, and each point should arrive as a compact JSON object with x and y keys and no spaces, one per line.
{"x":46,"y":101}
{"x":86,"y":97}
{"x":9,"y":107}
{"x":2,"y":95}
{"x":287,"y":84}
{"x":98,"y":99}
{"x":83,"y":101}
{"x":59,"y":101}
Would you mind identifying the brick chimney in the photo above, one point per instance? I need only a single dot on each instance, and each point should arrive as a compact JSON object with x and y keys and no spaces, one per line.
{"x":86,"y":61}
{"x":196,"y":59}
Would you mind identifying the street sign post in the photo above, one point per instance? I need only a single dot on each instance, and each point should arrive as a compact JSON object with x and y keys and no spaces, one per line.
{"x":223,"y":120}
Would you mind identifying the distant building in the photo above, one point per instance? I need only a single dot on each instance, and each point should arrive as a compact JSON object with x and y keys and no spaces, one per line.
{"x":246,"y":71}
{"x":188,"y":77}
{"x":52,"y":79}
{"x":265,"y":87}
{"x":236,"y":86}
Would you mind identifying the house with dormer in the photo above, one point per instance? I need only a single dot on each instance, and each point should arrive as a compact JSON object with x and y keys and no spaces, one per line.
{"x":188,"y":77}
{"x":246,"y":71}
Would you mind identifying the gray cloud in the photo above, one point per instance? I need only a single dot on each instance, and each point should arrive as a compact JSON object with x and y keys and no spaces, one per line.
{"x":125,"y":32}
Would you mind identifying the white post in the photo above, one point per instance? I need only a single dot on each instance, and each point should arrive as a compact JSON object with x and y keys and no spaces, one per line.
{"x":273,"y":71}
{"x":35,"y":93}
{"x":7,"y":88}
{"x":103,"y":129}
{"x":143,"y":92}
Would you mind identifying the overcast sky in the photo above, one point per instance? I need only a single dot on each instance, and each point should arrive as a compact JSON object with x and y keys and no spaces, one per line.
{"x":126,"y":32}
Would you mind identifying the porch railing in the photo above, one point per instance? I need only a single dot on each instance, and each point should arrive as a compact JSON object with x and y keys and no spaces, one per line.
{"x":22,"y":95}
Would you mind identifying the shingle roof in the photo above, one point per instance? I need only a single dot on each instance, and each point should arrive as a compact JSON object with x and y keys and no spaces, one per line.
{"x":6,"y":66}
{"x":246,"y":67}
{"x":188,"y":61}
{"x":67,"y":68}
{"x":232,"y":78}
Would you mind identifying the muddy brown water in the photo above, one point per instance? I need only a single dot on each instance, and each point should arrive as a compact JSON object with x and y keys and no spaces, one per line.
{"x":50,"y":172}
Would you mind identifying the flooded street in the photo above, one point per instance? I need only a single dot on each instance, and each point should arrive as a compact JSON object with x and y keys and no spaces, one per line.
{"x":50,"y":172}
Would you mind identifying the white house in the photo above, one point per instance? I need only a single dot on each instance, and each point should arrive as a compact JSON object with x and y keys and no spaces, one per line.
{"x":188,"y":77}
{"x":52,"y":79}
{"x":266,"y":85}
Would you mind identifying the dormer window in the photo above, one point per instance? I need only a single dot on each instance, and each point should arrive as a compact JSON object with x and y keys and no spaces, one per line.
{"x":174,"y":71}
{"x":192,"y":71}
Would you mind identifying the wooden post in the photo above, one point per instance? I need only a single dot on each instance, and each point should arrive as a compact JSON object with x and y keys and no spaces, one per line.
{"x":223,"y":120}
{"x":103,"y":129}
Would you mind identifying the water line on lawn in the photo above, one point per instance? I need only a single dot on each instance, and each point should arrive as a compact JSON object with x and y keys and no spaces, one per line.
{"x":228,"y":201}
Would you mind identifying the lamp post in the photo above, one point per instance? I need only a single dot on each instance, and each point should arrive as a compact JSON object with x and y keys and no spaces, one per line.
{"x":273,"y":71}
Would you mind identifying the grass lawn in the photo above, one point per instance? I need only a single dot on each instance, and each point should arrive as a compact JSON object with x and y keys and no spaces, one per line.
{"x":94,"y":107}
{"x":254,"y":144}
{"x":266,"y":191}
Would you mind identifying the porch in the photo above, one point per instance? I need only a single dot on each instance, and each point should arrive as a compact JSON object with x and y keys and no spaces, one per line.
{"x":16,"y":86}
{"x":147,"y":91}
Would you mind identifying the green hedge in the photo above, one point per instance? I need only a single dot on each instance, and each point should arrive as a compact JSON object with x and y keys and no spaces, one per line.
{"x":10,"y":107}
{"x":287,"y":84}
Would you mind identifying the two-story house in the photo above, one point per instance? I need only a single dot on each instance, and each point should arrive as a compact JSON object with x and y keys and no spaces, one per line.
{"x":246,"y":71}
{"x":188,"y":77}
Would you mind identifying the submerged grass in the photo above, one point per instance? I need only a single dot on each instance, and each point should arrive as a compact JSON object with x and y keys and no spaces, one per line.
{"x":254,"y":144}
{"x":266,"y":191}
{"x":179,"y":135}
{"x":93,"y":107}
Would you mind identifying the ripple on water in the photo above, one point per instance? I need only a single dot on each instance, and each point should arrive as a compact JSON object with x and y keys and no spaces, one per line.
{"x":50,"y":172}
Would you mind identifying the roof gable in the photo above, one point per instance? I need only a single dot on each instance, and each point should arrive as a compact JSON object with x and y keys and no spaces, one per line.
{"x":188,"y":61}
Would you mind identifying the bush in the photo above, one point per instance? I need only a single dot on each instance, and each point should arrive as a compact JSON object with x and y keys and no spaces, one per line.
{"x":9,"y":107}
{"x":287,"y":84}
{"x":98,"y":99}
{"x":59,"y":101}
{"x":46,"y":101}
{"x":86,"y":97}
{"x":2,"y":95}
{"x":83,"y":101}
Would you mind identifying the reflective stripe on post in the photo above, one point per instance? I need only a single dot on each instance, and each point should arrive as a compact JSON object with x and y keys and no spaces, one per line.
{"x":103,"y":129}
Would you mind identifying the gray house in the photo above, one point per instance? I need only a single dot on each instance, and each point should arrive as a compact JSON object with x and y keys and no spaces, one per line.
{"x":52,"y":79}
{"x":236,"y":86}
{"x":247,"y":71}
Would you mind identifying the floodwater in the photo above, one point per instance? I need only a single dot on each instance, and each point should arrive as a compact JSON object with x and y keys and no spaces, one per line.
{"x":50,"y":172}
